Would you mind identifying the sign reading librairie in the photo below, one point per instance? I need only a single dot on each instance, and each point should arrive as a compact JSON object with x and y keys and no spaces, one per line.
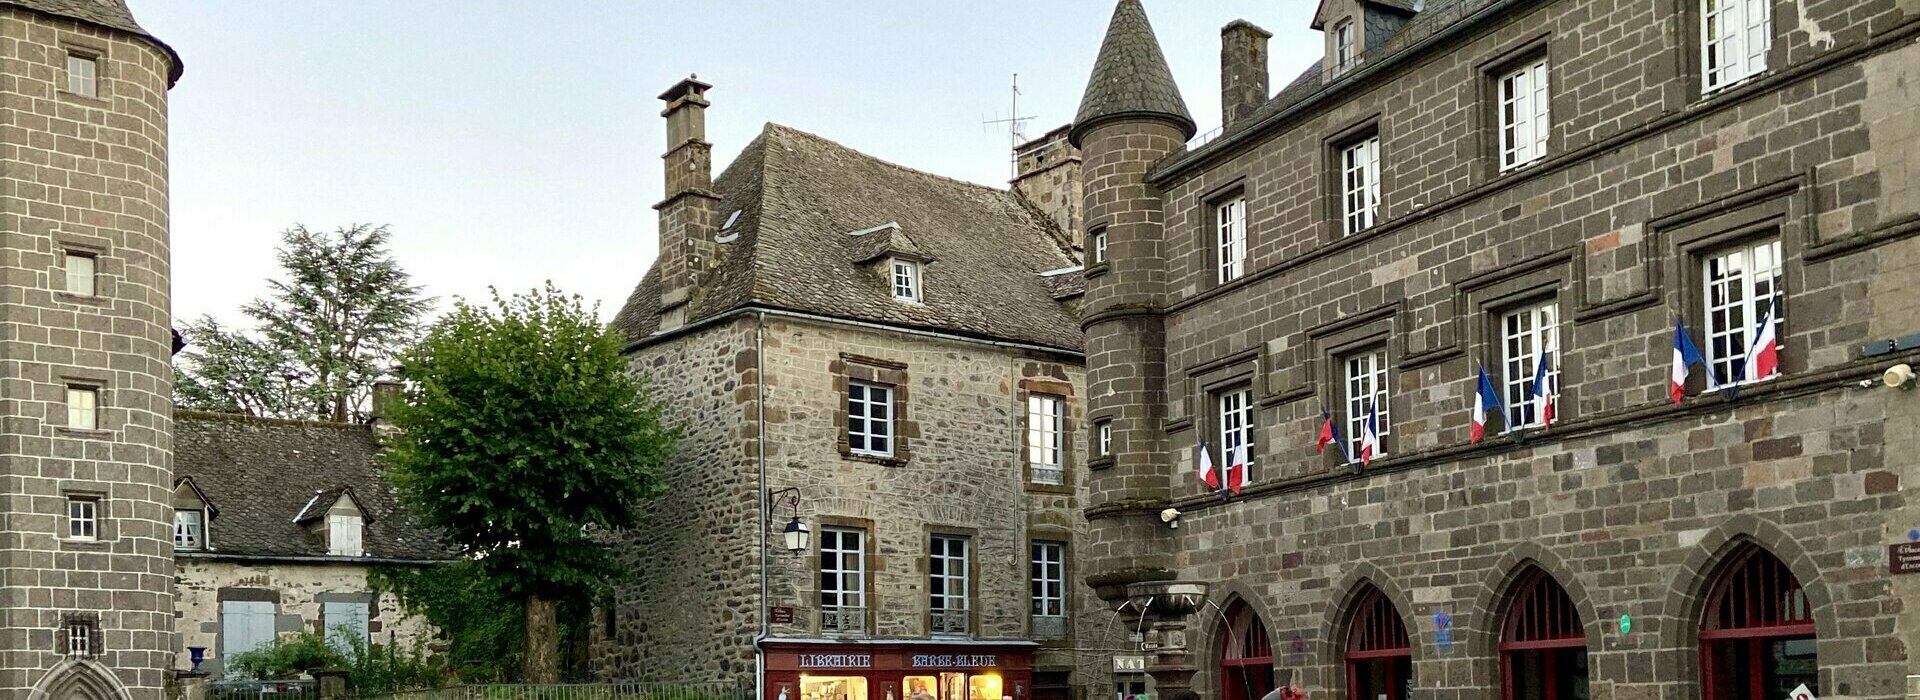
{"x":836,"y":661}
{"x":1904,"y":558}
{"x":954,"y":661}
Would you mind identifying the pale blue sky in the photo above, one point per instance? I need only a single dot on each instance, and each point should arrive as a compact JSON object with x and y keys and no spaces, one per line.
{"x":513,"y":142}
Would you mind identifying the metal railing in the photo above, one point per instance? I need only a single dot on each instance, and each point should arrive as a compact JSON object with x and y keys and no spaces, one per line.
{"x":304,"y":689}
{"x":949,"y":622}
{"x":843,"y":620}
{"x":580,"y":691}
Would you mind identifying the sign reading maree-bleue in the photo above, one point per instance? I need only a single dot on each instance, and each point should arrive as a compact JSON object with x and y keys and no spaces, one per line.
{"x":1904,"y":558}
{"x":836,"y":661}
{"x":954,"y":661}
{"x":1129,"y":663}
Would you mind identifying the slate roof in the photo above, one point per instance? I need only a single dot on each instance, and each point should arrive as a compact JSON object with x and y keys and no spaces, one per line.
{"x":800,"y":198}
{"x":1130,"y":77}
{"x":112,"y":14}
{"x":261,"y":473}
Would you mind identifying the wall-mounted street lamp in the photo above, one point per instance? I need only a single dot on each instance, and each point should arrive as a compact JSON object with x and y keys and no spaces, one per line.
{"x":797,"y":537}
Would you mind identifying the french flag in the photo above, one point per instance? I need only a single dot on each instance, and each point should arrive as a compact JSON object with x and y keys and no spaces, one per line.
{"x":1237,"y":469}
{"x":1329,"y":433}
{"x":1485,"y":398}
{"x":1208,"y":475}
{"x":1542,"y":392}
{"x":1763,"y":358}
{"x":1686,"y":355}
{"x":1370,"y":437}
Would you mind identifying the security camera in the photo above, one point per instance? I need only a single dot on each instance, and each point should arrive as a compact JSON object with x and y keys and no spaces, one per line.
{"x":1899,"y":376}
{"x":1171,"y":517}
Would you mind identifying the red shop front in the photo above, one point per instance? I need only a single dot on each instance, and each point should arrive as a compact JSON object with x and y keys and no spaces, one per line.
{"x":899,"y":670}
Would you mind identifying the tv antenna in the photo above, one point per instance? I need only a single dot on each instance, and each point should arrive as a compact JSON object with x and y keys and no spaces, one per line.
{"x":1016,"y":131}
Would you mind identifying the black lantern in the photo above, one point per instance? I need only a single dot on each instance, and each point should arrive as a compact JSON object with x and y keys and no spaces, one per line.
{"x":796,"y":535}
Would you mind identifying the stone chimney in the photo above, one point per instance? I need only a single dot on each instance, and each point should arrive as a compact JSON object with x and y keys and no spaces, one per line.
{"x":686,"y":215}
{"x":1047,"y":175}
{"x":1243,"y":69}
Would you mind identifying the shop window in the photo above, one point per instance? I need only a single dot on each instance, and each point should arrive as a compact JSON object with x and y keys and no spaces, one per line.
{"x":954,"y":686}
{"x":833,"y":688}
{"x":1523,"y":333}
{"x":1543,"y":652}
{"x":948,"y":575}
{"x":1379,"y":658}
{"x":1048,"y":576}
{"x":1130,"y":686}
{"x":1756,"y":636}
{"x":843,"y":580}
{"x":1742,"y":286}
{"x":1246,"y":659}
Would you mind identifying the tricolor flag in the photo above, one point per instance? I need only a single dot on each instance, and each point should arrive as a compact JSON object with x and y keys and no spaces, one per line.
{"x":1208,"y":475}
{"x":1370,"y":437}
{"x":1485,"y":398}
{"x":1327,"y":434}
{"x":1237,"y":469}
{"x":1542,"y":392}
{"x":1686,"y":355}
{"x":1763,"y":356}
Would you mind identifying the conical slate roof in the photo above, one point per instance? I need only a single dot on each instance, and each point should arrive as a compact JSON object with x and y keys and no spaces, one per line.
{"x":1130,"y":78}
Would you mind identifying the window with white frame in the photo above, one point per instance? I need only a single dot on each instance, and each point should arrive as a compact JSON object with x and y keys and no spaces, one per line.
{"x":1523,"y":332}
{"x":1236,"y":426}
{"x":1360,"y":184}
{"x":346,"y":626}
{"x":1343,"y":44}
{"x":843,"y":579}
{"x":1366,"y":380}
{"x":189,"y":529}
{"x":947,"y":573}
{"x":1741,"y":284}
{"x":343,"y":535}
{"x":870,"y":419}
{"x":83,"y":518}
{"x":1525,"y":122}
{"x":83,"y":75}
{"x":79,"y":269}
{"x":1046,"y":438}
{"x":83,"y":407}
{"x":1230,"y":218}
{"x":1103,"y":438}
{"x":1735,"y":36}
{"x":1099,"y":246}
{"x":1048,"y":576}
{"x":906,"y":280}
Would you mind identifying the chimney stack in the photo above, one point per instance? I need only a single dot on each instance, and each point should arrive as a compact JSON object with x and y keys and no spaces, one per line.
{"x":686,"y":215}
{"x":1243,"y":69}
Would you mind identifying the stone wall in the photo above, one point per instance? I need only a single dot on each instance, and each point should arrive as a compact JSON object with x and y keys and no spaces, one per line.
{"x":298,"y":589}
{"x":84,"y":175}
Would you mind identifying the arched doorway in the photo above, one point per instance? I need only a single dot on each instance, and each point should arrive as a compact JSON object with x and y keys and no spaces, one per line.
{"x":79,"y":679}
{"x":1756,"y":632}
{"x":1379,"y":657}
{"x":1543,"y":652}
{"x":1246,"y":655}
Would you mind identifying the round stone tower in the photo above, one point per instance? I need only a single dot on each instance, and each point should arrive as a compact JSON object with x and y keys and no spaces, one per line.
{"x":1130,"y":116}
{"x":85,"y":354}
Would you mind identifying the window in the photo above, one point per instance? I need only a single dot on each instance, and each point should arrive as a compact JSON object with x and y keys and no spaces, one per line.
{"x":870,"y":419}
{"x":346,"y":626}
{"x":1246,"y":658}
{"x":245,"y":625}
{"x":83,"y":75}
{"x":83,"y":518}
{"x":947,"y":584}
{"x":1523,"y":332}
{"x":189,"y":529}
{"x":1099,"y":247}
{"x":843,"y":580}
{"x":1379,"y":657}
{"x":80,"y":267}
{"x":1103,"y":438}
{"x":1048,"y":574}
{"x":1360,"y":184}
{"x":1343,"y":44}
{"x":81,"y":632}
{"x":906,"y":280}
{"x":1543,"y":653}
{"x":1524,"y":121}
{"x":343,"y":535}
{"x":1735,"y":36}
{"x":1236,"y":427}
{"x":1046,"y":439}
{"x":1366,"y":379}
{"x":1741,"y":285}
{"x":1231,"y":221}
{"x":83,"y":412}
{"x":1756,"y":636}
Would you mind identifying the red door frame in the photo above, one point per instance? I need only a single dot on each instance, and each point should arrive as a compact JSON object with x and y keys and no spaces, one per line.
{"x":1376,"y":633}
{"x":1755,"y":599}
{"x":1540,"y":619}
{"x":1244,"y":645}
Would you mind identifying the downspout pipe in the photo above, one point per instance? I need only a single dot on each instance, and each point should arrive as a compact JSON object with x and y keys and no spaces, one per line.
{"x":760,"y":442}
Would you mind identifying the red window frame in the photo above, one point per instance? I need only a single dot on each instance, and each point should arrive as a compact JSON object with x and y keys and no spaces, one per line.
{"x":1246,"y":658}
{"x":1540,"y":619}
{"x":1376,"y":633}
{"x":1755,"y":599}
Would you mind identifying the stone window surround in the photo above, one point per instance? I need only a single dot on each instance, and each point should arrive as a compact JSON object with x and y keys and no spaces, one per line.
{"x":1366,"y":332}
{"x":1331,"y":150}
{"x":1064,"y":537}
{"x":869,"y":563}
{"x":100,"y":249}
{"x":96,"y":636}
{"x":348,"y":598}
{"x":850,"y":368}
{"x":1490,"y":297}
{"x":1208,"y":382}
{"x":80,"y":45}
{"x":86,"y":378}
{"x":1692,"y":51}
{"x":1685,"y":239}
{"x":1096,"y":268}
{"x":1207,"y":239}
{"x":105,"y":529}
{"x":972,"y":536}
{"x":1068,"y":428}
{"x":1507,"y":60}
{"x":239,"y":593}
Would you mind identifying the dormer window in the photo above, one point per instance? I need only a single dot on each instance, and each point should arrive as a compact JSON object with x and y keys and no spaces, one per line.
{"x":1343,"y":44}
{"x":906,"y":281}
{"x":343,"y":535}
{"x":189,"y":529}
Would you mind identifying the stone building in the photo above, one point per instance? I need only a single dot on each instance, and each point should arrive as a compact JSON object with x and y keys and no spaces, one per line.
{"x":86,"y":565}
{"x":276,"y":525}
{"x":889,"y":360}
{"x":1492,"y":183}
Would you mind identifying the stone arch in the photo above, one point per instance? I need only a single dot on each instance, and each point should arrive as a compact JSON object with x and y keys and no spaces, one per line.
{"x":79,"y":679}
{"x":1687,"y":591}
{"x":1213,"y":620}
{"x":1339,"y":615}
{"x":1487,"y":615}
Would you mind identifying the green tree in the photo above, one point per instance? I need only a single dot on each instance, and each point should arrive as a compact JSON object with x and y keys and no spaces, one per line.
{"x":522,"y":433}
{"x":331,"y":326}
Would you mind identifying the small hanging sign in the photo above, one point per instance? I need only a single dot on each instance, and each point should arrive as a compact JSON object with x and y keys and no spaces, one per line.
{"x":1801,"y":692}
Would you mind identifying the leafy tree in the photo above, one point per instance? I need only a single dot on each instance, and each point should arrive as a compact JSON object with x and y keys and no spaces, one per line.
{"x":332,"y":325}
{"x":482,"y":623}
{"x":521,"y":434}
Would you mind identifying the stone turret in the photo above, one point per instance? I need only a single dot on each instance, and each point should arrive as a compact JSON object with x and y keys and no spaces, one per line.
{"x":1131,"y":115}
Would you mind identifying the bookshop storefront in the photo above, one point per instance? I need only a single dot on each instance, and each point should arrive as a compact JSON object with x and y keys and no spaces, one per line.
{"x":899,"y":670}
